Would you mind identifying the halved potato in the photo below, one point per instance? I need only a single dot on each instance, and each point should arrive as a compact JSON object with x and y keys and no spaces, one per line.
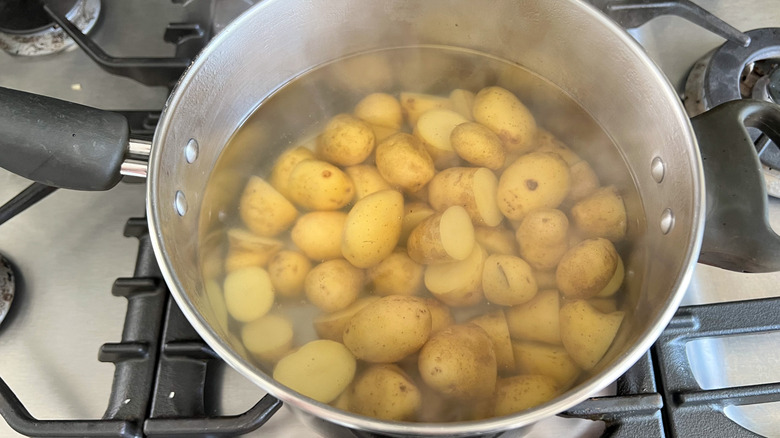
{"x":459,"y":283}
{"x":473,"y":188}
{"x":536,"y":320}
{"x":545,"y":359}
{"x":434,"y":128}
{"x":587,"y":333}
{"x":441,"y":238}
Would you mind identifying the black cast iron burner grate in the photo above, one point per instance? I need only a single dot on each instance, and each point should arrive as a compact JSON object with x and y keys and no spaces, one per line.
{"x":160,"y":354}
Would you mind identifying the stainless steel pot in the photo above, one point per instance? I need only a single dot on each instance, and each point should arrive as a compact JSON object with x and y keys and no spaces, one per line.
{"x":568,"y":43}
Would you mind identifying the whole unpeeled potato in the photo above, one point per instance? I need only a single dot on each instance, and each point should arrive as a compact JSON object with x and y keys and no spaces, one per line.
{"x":319,"y":185}
{"x":384,"y":391}
{"x":587,"y":268}
{"x":388,"y":329}
{"x":403,"y":161}
{"x":535,"y":180}
{"x":346,"y":141}
{"x":372,"y":228}
{"x":501,"y":111}
{"x":459,"y":362}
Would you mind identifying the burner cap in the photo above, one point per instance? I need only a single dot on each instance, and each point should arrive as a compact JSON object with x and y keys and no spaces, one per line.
{"x":27,"y":30}
{"x":7,"y":287}
{"x":28,"y":16}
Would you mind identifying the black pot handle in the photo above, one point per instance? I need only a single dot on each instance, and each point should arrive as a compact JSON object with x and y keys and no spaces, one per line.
{"x":60,"y":143}
{"x":737,"y":234}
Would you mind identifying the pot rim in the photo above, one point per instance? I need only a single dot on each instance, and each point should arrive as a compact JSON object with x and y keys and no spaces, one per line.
{"x":569,"y":399}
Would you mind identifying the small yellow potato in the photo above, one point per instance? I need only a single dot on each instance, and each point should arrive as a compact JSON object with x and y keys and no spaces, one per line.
{"x":603,"y":305}
{"x":403,"y":161}
{"x":280,"y":174}
{"x":547,"y":142}
{"x":535,"y":180}
{"x":318,"y":234}
{"x":414,"y":213}
{"x":503,"y":113}
{"x":496,"y":240}
{"x":518,"y":393}
{"x":459,"y":283}
{"x":333,"y":285}
{"x":320,"y":370}
{"x":584,"y":181}
{"x":536,"y":320}
{"x":615,"y":282}
{"x":494,"y":324}
{"x":269,"y":338}
{"x":587,"y":333}
{"x":373,"y":228}
{"x":331,"y":325}
{"x":217,"y":301}
{"x":508,"y":280}
{"x":473,"y":188}
{"x":388,"y":329}
{"x":602,"y":214}
{"x":587,"y":268}
{"x":434,"y":129}
{"x":461,"y":101}
{"x":265,"y":211}
{"x":366,"y":179}
{"x":543,"y":237}
{"x":397,"y":274}
{"x":547,"y":360}
{"x":344,"y":399}
{"x":319,"y":185}
{"x":345,"y":141}
{"x":385,"y":392}
{"x":288,"y":270}
{"x":444,"y":237}
{"x":415,"y":104}
{"x":380,"y":109}
{"x":381,"y":133}
{"x":478,"y":145}
{"x":459,"y":362}
{"x":247,"y":249}
{"x":441,"y":317}
{"x":545,"y":279}
{"x":249,"y":293}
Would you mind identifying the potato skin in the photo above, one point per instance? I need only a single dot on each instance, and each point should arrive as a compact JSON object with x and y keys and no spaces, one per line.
{"x":318,"y":234}
{"x":384,"y":391}
{"x":264,"y":210}
{"x":459,"y":362}
{"x":333,"y":285}
{"x":473,"y":188}
{"x":543,"y":237}
{"x":536,"y":320}
{"x":535,"y":180}
{"x":280,"y":174}
{"x":331,"y":325}
{"x":345,"y":141}
{"x":372,"y":228}
{"x":319,"y":185}
{"x":602,"y":214}
{"x":587,"y":333}
{"x":586,"y":268}
{"x":508,"y":280}
{"x":380,"y":109}
{"x":288,"y":270}
{"x":402,"y":161}
{"x":518,"y":393}
{"x":367,"y":180}
{"x":388,"y":329}
{"x":503,"y":113}
{"x":397,"y":274}
{"x":478,"y":145}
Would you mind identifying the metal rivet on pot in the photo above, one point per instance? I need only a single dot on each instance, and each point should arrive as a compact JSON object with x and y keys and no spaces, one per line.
{"x":667,"y":221}
{"x":658,"y":169}
{"x":191,"y":151}
{"x":180,"y":203}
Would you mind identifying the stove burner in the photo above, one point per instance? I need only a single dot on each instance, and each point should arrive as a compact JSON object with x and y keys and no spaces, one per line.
{"x":7,"y":287}
{"x":733,"y":72}
{"x":27,"y":30}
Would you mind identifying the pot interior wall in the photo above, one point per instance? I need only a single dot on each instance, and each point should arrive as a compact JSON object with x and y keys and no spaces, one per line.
{"x":580,"y":76}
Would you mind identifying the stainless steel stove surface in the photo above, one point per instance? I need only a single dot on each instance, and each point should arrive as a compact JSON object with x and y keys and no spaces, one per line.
{"x":68,"y":249}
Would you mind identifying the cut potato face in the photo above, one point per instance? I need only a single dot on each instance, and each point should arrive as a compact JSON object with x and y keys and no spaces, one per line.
{"x":536,"y":320}
{"x":320,"y":370}
{"x":587,"y":333}
{"x":268,"y":338}
{"x":441,"y":317}
{"x":471,"y":188}
{"x":548,"y":360}
{"x":441,"y":238}
{"x":415,"y":104}
{"x":461,"y":101}
{"x":434,"y":128}
{"x":414,"y":213}
{"x":496,"y":240}
{"x":494,"y":324}
{"x":459,"y":283}
{"x":615,"y":282}
{"x":249,"y":293}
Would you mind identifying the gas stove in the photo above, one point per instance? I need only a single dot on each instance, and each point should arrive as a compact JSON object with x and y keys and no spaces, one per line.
{"x":91,"y":332}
